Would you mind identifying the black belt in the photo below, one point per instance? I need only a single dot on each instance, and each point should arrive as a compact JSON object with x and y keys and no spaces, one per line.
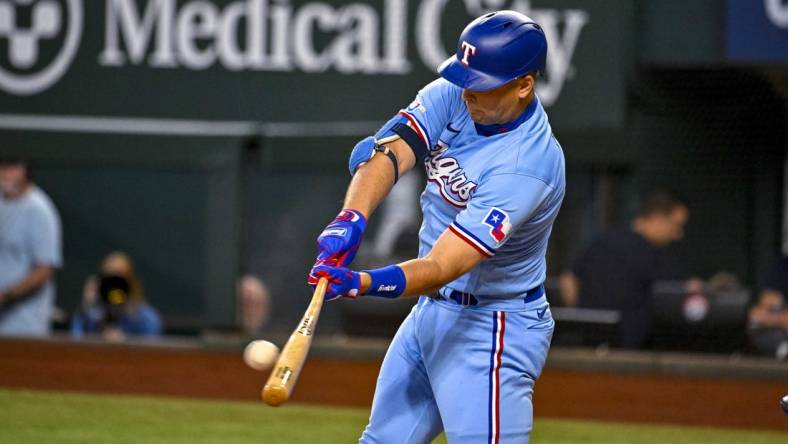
{"x":467,"y":299}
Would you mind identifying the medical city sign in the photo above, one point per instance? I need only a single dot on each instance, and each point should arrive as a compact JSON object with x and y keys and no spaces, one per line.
{"x":25,"y":68}
{"x":40,"y":38}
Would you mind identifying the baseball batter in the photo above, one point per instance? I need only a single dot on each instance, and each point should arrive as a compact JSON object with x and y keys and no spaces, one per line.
{"x":466,"y":358}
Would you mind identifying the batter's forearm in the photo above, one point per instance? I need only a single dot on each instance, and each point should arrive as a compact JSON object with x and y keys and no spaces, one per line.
{"x":374,"y":179}
{"x":426,"y":276}
{"x":450,"y":258}
{"x":370,"y":185}
{"x":423,"y":276}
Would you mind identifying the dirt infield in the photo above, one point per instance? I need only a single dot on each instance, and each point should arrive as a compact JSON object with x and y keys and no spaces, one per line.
{"x":191,"y":372}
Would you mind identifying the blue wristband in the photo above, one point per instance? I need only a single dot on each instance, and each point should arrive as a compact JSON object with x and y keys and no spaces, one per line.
{"x":387,"y":282}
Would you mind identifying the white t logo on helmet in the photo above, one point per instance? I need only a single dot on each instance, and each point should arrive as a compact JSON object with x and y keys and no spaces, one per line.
{"x":468,"y":50}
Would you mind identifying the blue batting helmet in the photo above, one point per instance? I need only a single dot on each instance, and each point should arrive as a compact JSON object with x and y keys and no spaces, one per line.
{"x":495,"y":49}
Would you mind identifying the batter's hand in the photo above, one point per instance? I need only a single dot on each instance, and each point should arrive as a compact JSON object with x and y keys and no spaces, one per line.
{"x":342,"y":282}
{"x":338,"y":243}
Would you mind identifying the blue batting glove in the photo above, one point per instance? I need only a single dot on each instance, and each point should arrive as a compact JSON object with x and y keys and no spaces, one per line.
{"x":339,"y":242}
{"x":342,"y":282}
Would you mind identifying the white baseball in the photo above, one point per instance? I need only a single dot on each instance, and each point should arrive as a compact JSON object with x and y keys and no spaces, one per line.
{"x":260,"y":355}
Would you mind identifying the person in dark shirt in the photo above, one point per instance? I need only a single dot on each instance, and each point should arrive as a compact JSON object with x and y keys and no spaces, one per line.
{"x":768,"y":318}
{"x":617,"y":270}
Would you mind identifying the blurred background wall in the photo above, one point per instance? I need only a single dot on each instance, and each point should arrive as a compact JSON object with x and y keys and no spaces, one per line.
{"x":196,"y":134}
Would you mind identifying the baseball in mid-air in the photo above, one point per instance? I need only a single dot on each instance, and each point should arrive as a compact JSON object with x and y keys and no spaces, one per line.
{"x":260,"y":355}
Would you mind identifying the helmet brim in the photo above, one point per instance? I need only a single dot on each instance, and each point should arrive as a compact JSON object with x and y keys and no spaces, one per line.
{"x":468,"y":78}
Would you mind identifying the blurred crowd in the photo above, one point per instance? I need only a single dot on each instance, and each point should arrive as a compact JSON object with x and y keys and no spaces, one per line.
{"x":617,"y":271}
{"x":623,"y":273}
{"x":626,"y":272}
{"x":113,"y":304}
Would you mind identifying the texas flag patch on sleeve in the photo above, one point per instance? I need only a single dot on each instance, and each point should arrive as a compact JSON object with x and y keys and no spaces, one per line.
{"x":498,"y":221}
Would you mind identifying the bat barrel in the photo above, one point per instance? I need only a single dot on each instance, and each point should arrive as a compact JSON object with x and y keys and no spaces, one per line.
{"x":280,"y":383}
{"x":275,"y":395}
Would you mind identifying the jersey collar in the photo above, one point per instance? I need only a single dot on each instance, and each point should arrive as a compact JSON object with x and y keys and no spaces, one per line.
{"x":491,"y":130}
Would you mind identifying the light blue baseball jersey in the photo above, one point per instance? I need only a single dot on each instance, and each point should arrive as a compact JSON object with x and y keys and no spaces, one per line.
{"x":469,"y":369}
{"x":500,"y":193}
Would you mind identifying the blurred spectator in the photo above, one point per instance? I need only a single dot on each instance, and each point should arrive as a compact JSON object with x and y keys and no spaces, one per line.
{"x":768,"y":318}
{"x":253,"y":305}
{"x":113,"y":303}
{"x":30,"y":252}
{"x":617,"y":270}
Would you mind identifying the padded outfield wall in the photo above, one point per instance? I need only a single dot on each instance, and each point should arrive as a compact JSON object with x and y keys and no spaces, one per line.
{"x":209,"y":138}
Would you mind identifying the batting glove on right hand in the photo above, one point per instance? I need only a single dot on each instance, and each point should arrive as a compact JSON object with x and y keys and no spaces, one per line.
{"x":342,"y":282}
{"x":339,"y":241}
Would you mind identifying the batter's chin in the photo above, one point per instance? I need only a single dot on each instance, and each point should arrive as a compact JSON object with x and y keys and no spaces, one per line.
{"x":476,"y":116}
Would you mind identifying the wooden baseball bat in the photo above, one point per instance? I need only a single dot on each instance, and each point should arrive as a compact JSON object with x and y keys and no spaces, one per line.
{"x":280,"y":384}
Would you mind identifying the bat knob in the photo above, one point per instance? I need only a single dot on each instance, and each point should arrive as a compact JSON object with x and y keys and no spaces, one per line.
{"x":274,"y":395}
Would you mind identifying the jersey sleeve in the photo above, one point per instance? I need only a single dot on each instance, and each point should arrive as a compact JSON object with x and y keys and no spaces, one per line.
{"x":498,"y":207}
{"x":421,"y":123}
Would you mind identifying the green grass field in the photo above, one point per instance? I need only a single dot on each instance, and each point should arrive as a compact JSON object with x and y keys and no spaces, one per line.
{"x":54,"y":418}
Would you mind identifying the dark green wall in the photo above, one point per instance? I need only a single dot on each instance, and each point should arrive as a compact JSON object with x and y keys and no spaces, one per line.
{"x":681,"y":32}
{"x":197,"y":211}
{"x":171,"y":202}
{"x":717,"y":137}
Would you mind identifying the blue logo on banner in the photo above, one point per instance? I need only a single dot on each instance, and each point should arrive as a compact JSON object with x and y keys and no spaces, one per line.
{"x":757,"y":31}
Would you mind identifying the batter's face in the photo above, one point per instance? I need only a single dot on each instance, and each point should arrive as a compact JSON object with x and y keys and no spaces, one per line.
{"x":500,"y":105}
